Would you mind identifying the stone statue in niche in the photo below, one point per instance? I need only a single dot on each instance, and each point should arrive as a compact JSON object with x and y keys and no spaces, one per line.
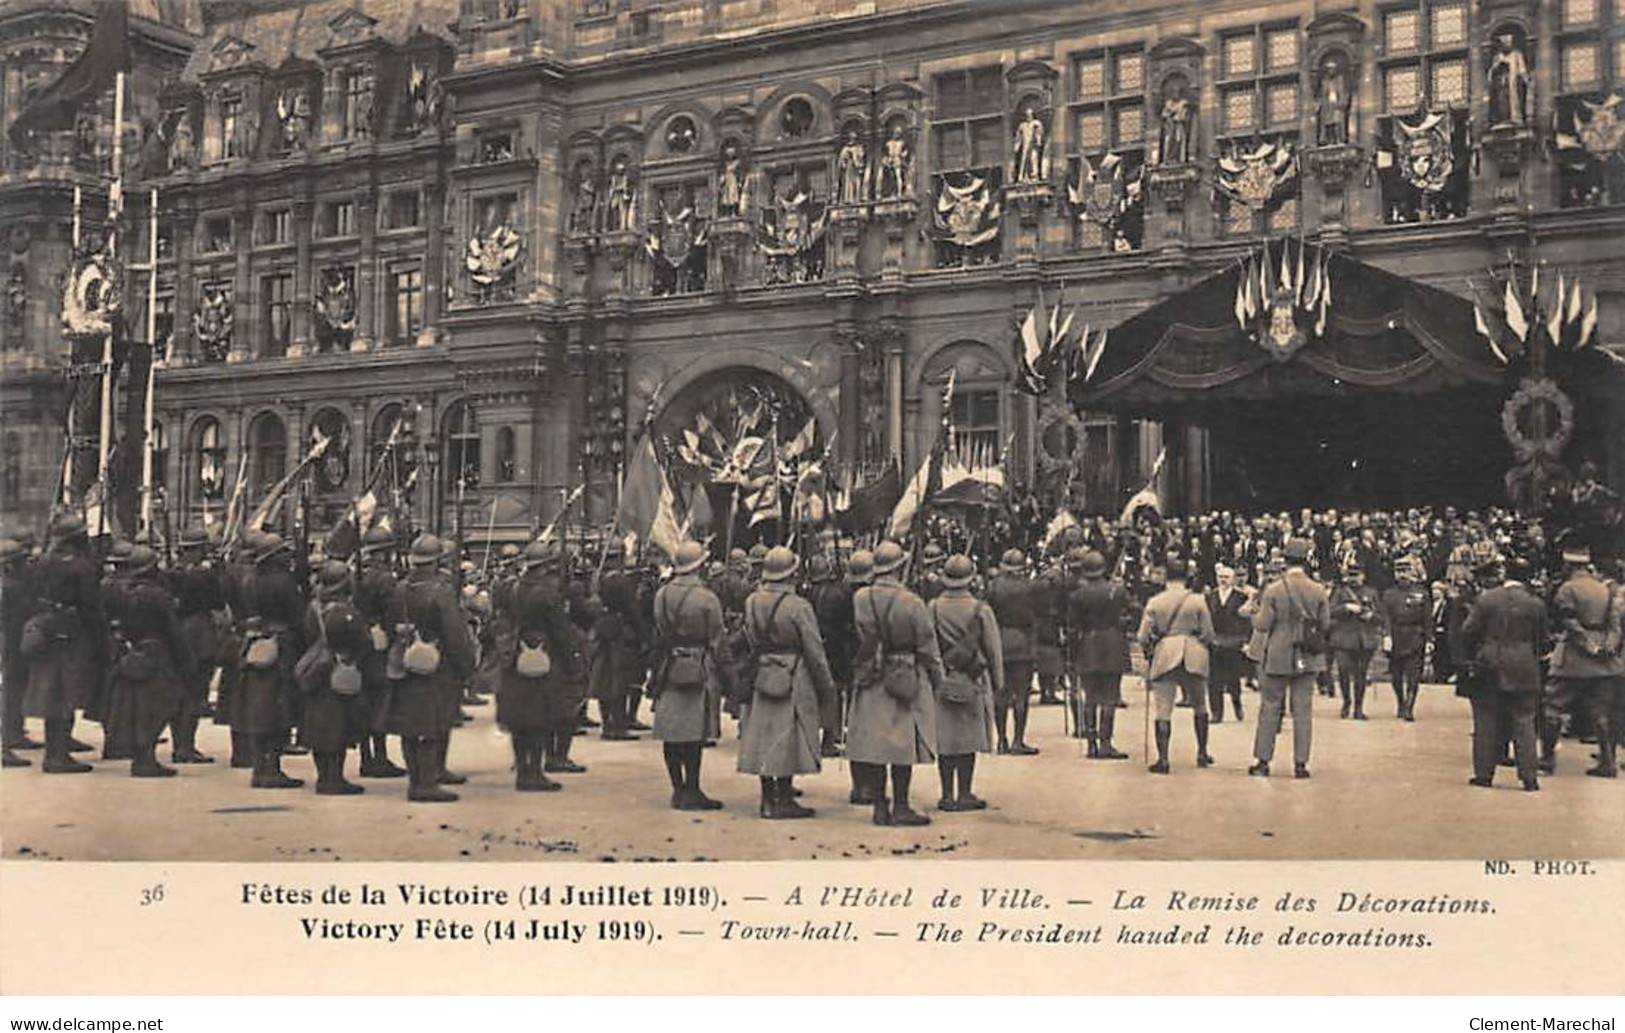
{"x":1509,"y":79}
{"x":1030,"y":147}
{"x":293,"y":117}
{"x":896,"y":177}
{"x":1333,"y":101}
{"x":1174,"y":138}
{"x":852,"y":169}
{"x":182,"y":147}
{"x":586,"y":199}
{"x":732,"y":182}
{"x":619,"y":204}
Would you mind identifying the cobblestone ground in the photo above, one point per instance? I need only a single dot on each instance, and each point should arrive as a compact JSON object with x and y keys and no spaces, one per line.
{"x":1381,"y":790}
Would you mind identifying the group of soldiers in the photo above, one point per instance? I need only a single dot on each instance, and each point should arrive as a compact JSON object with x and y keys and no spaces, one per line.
{"x":892,"y":657}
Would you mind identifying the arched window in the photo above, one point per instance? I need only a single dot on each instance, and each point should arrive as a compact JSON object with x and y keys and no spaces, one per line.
{"x":462,"y":447}
{"x":507,"y":455}
{"x":267,"y":452}
{"x":208,"y":460}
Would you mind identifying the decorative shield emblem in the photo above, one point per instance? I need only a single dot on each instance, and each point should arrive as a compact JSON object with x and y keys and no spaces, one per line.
{"x":966,"y":215}
{"x":1281,"y":336}
{"x":1426,"y":158}
{"x":1603,"y":134}
{"x":675,"y":241}
{"x":1256,"y":184}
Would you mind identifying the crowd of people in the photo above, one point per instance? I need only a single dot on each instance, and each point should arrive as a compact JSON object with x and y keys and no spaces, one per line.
{"x":893,"y":656}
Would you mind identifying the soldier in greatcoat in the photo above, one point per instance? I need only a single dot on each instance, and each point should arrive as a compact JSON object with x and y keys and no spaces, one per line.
{"x":972,"y":653}
{"x":1356,"y":610}
{"x":617,"y":658}
{"x":115,"y":709}
{"x":374,"y":590}
{"x":335,"y":709}
{"x":423,"y":703}
{"x":155,"y":667}
{"x":860,"y":571}
{"x":685,"y":683}
{"x":200,"y":599}
{"x":832,"y":602}
{"x":67,"y":669}
{"x":893,"y":719}
{"x":792,"y":686}
{"x":234,"y":577}
{"x":540,"y":667}
{"x":1014,"y":598}
{"x":1094,"y":620}
{"x":273,"y":640}
{"x":1585,"y":663}
{"x":1050,"y":601}
{"x":17,"y":605}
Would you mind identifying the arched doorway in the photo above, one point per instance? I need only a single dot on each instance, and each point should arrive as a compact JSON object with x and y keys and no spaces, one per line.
{"x":268,"y":452}
{"x":735,"y":442}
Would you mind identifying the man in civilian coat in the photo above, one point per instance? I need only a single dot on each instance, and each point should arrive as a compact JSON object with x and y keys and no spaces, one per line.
{"x":1505,"y":634}
{"x":780,"y":738}
{"x":973,"y":666}
{"x":1175,"y":630}
{"x":1094,"y":626}
{"x":1288,"y":671}
{"x":1231,"y":629}
{"x":1585,"y":663}
{"x":893,"y":720}
{"x":688,"y":699}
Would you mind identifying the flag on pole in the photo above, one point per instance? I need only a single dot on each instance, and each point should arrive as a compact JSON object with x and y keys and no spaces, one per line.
{"x":1588,"y":325}
{"x":1514,"y":312}
{"x":1060,"y":522}
{"x":647,"y":509}
{"x":1554,"y":318}
{"x":56,"y":107}
{"x":1574,"y":303}
{"x":1297,"y":283}
{"x":273,"y":499}
{"x":1094,"y":358}
{"x":1483,"y":328}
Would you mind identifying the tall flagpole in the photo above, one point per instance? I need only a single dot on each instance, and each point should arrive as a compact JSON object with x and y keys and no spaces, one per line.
{"x":115,"y":210}
{"x":152,"y":361}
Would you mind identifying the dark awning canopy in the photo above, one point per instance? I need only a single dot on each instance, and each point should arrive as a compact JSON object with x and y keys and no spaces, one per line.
{"x":1384,"y":333}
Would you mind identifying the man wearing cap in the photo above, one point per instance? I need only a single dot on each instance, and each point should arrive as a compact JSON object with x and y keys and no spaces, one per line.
{"x":1231,"y":629}
{"x":431,"y":655}
{"x":1050,"y":593}
{"x":71,"y":662}
{"x":973,"y":672}
{"x":334,"y":706}
{"x":1294,"y":617}
{"x":685,"y":687}
{"x":1505,"y":634}
{"x":1175,"y":630}
{"x":893,"y":719}
{"x":1095,"y":612}
{"x":17,"y":605}
{"x":154,"y":669}
{"x":1407,"y":613}
{"x":539,"y":671}
{"x":780,"y":738}
{"x":199,"y":599}
{"x":273,"y":633}
{"x":617,"y":663}
{"x":832,"y":602}
{"x":374,"y":589}
{"x":1585,"y":663}
{"x":1014,"y":598}
{"x":1356,"y":612}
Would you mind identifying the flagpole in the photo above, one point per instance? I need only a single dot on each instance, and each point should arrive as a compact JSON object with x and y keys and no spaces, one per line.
{"x":152,"y":362}
{"x":115,"y":209}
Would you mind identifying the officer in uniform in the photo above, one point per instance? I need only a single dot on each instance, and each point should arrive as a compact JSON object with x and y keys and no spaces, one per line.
{"x":970,"y":644}
{"x":832,"y":603}
{"x":540,"y":669}
{"x":1231,"y":629}
{"x":1050,"y":595}
{"x":893,"y":719}
{"x":1356,"y":611}
{"x":1407,"y":613}
{"x":1585,"y":663}
{"x":1095,"y":612}
{"x":431,"y":655}
{"x":273,"y":633}
{"x":16,"y":607}
{"x":1014,"y":600}
{"x":1174,"y":632}
{"x":617,"y":664}
{"x":335,"y":714}
{"x":1286,"y":610}
{"x":374,"y":590}
{"x":199,"y":599}
{"x":70,"y":660}
{"x":1504,"y":634}
{"x":792,"y":687}
{"x":685,"y":685}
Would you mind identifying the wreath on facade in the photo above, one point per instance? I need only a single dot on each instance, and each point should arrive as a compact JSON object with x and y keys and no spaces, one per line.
{"x":493,"y":258}
{"x":91,"y":297}
{"x":1531,"y":393}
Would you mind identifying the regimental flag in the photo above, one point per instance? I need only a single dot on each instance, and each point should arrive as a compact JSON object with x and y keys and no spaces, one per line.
{"x":1059,"y":523}
{"x":1483,"y":327}
{"x":871,"y":502}
{"x":1554,"y":318}
{"x":642,"y":492}
{"x":1244,"y":283}
{"x":1574,"y":304}
{"x":266,"y":512}
{"x":1514,"y":311}
{"x":1146,"y":496}
{"x":1588,"y":324}
{"x":56,"y":107}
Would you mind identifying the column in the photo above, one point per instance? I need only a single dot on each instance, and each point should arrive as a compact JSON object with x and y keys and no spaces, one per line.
{"x":245,"y":327}
{"x":894,"y":400}
{"x":434,"y":264}
{"x":303,"y":342}
{"x":366,"y":273}
{"x":185,"y":231}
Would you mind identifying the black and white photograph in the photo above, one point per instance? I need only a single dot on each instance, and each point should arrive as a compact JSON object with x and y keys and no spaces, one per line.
{"x":812,"y":430}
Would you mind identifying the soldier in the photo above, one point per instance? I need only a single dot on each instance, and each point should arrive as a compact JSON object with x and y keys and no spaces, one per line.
{"x":893,"y":720}
{"x":1406,"y":615}
{"x":539,"y":671}
{"x":1014,"y":599}
{"x":860,"y":568}
{"x":335,"y":714}
{"x":1293,"y":616}
{"x":1174,"y":632}
{"x":115,"y":708}
{"x":930,"y":579}
{"x":199,"y":598}
{"x":273,"y":634}
{"x":1231,"y":629}
{"x":969,"y":642}
{"x":374,"y":590}
{"x":617,"y":663}
{"x":1356,"y":612}
{"x":685,"y":688}
{"x":1050,"y":594}
{"x":235,"y":577}
{"x":430,"y":656}
{"x":16,"y":607}
{"x":1585,"y":663}
{"x":832,"y":603}
{"x":70,"y":657}
{"x":792,"y":687}
{"x":1505,"y":634}
{"x":1095,"y":613}
{"x":154,"y":670}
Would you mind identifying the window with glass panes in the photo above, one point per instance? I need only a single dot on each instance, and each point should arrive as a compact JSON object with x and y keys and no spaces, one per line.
{"x":277,"y":292}
{"x":1260,"y":98}
{"x":278,"y":226}
{"x":231,"y":109}
{"x":340,"y":219}
{"x":357,"y":110}
{"x":462,"y":447}
{"x":406,"y":308}
{"x":1107,"y":111}
{"x":976,"y":423}
{"x":164,"y":325}
{"x":968,"y":119}
{"x":1425,"y":54}
{"x":1590,"y":45}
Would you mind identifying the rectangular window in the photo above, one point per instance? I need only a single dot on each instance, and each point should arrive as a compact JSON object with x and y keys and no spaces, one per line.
{"x":340,"y":220}
{"x":406,"y":310}
{"x":278,"y":226}
{"x":1129,"y":76}
{"x":1579,"y":12}
{"x":402,"y":210}
{"x":1401,"y":31}
{"x":1282,"y":103}
{"x":496,"y":147}
{"x":1238,"y":110}
{"x":231,"y":110}
{"x":1281,"y":49}
{"x":1091,"y":132}
{"x":1240,"y":56}
{"x":1447,"y":24}
{"x":164,"y":325}
{"x":968,"y":121}
{"x":217,"y":234}
{"x":976,"y":425}
{"x":1129,"y":125}
{"x":1091,"y":77}
{"x":277,"y":290}
{"x":357,"y":109}
{"x":1579,"y":65}
{"x":1401,"y":88}
{"x":1449,"y":83}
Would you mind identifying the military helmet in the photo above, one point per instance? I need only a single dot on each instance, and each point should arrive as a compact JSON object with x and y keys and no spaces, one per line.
{"x":194,"y":538}
{"x":779,"y":564}
{"x":738,"y":558}
{"x":376,"y":539}
{"x":1074,"y":556}
{"x":539,"y":553}
{"x":958,"y":571}
{"x":68,"y":527}
{"x":271,"y":545}
{"x":10,"y":549}
{"x":860,"y":566}
{"x":757,"y":554}
{"x":889,"y":556}
{"x":139,"y":558}
{"x":819,"y":568}
{"x":932,"y":553}
{"x":1093,"y":564}
{"x":690,"y":557}
{"x":509,"y":551}
{"x":1013,"y":561}
{"x":119,"y":552}
{"x":425,"y":551}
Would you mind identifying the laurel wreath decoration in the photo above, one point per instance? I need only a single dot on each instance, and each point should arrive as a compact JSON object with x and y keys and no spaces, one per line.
{"x":1531,"y":393}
